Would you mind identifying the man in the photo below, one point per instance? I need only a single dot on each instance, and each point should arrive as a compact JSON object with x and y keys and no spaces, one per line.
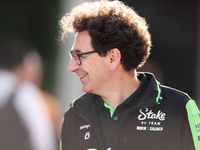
{"x":122,"y":109}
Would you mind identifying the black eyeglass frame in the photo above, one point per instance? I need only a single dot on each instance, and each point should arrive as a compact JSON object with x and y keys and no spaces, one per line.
{"x":72,"y":54}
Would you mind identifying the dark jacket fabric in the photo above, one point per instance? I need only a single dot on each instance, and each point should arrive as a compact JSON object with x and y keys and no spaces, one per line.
{"x":162,"y":119}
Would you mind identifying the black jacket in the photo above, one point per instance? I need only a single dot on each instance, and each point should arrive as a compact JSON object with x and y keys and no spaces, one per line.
{"x":159,"y":121}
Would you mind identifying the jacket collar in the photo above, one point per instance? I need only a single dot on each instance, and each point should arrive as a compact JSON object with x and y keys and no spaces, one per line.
{"x":148,"y":94}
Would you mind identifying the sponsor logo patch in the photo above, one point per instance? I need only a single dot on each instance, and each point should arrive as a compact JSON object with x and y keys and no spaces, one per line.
{"x":150,"y":121}
{"x":85,"y":126}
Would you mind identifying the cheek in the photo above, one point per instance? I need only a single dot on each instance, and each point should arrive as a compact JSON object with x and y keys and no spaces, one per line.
{"x":97,"y":69}
{"x":102,"y":75}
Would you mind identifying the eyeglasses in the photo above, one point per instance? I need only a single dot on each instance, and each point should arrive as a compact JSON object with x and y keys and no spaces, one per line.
{"x":77,"y":57}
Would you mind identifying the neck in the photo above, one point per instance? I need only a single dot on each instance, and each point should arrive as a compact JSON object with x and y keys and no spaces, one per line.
{"x":121,"y":88}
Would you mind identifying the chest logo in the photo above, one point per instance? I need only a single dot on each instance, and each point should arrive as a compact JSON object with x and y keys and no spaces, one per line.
{"x":87,"y":135}
{"x":149,"y":114}
{"x":85,"y":126}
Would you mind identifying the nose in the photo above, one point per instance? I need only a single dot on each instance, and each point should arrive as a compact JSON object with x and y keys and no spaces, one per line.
{"x":73,"y":66}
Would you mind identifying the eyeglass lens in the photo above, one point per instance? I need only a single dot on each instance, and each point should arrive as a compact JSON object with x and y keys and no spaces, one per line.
{"x":75,"y":56}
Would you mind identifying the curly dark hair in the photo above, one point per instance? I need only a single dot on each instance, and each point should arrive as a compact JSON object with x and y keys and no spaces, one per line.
{"x":111,"y":24}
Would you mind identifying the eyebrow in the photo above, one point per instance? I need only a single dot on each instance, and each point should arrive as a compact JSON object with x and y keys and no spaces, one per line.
{"x":76,"y":51}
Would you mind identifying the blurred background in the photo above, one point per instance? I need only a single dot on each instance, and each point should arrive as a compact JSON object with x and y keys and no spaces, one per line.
{"x":174,"y":25}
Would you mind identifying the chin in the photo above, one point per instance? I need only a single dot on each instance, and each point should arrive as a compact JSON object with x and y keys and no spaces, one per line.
{"x":87,"y":90}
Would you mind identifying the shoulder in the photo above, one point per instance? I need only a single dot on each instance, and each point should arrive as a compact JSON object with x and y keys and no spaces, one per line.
{"x":173,"y":95}
{"x":82,"y":104}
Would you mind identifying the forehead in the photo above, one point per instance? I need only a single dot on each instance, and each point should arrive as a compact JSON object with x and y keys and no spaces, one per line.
{"x":82,"y":42}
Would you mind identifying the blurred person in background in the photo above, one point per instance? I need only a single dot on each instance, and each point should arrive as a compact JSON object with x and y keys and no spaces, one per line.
{"x":34,"y":73}
{"x":24,"y":120}
{"x":122,"y":109}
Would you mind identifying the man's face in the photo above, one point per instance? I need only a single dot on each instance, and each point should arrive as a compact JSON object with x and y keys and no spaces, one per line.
{"x":93,"y":71}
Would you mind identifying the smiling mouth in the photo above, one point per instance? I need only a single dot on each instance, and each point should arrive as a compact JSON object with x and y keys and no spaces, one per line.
{"x":82,"y":76}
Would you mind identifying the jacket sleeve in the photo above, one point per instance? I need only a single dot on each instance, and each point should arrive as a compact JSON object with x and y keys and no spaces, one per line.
{"x":194,"y":122}
{"x":66,"y":131}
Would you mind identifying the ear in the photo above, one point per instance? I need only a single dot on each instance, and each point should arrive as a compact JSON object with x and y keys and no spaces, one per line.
{"x":115,"y":57}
